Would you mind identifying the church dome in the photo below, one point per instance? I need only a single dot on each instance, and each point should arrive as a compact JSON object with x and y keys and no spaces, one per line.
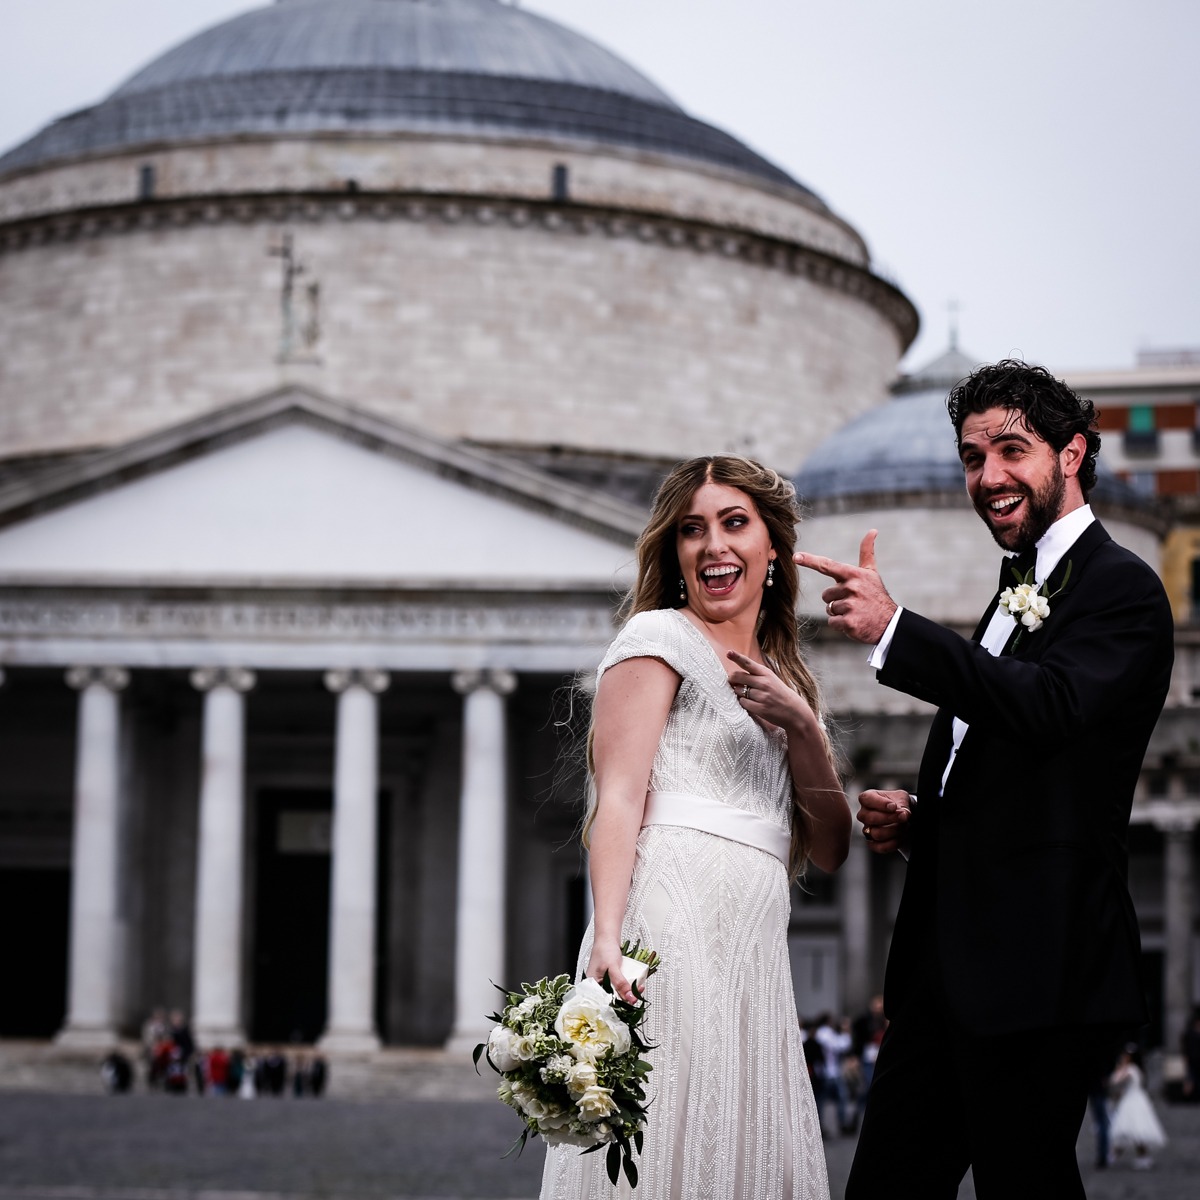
{"x":389,"y":66}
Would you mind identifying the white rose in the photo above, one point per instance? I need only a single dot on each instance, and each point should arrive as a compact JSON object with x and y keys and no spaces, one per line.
{"x":524,"y":1046}
{"x":1039,"y":610}
{"x":529,"y":1102}
{"x":596,"y":1103}
{"x":556,"y":1118}
{"x":589,"y":1023}
{"x":501,"y":1048}
{"x":1019,"y":599}
{"x":579,"y":1078}
{"x":536,"y":1107}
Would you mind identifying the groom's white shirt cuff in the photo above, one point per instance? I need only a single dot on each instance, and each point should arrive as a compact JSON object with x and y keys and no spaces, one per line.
{"x":879,"y":654}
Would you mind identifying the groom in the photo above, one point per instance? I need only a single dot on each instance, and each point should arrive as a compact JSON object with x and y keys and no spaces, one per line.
{"x":1014,"y":962}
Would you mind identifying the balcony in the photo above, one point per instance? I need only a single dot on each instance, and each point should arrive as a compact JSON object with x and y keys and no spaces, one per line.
{"x":1141,"y":443}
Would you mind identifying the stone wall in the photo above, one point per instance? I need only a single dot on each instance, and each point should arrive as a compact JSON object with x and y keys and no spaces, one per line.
{"x":501,"y":168}
{"x":501,"y":324}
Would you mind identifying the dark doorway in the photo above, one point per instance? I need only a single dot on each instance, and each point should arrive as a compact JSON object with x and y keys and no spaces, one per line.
{"x":33,"y":1000}
{"x":291,"y":929}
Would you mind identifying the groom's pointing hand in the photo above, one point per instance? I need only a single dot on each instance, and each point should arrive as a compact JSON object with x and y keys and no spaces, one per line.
{"x":858,"y":604}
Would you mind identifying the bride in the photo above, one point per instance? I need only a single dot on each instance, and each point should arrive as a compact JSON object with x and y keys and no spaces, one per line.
{"x":713,"y":787}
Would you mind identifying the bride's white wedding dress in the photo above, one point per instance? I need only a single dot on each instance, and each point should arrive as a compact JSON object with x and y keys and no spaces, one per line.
{"x":732,"y":1115}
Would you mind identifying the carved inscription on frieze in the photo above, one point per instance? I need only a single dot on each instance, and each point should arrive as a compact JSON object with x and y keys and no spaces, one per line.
{"x":413,"y":622}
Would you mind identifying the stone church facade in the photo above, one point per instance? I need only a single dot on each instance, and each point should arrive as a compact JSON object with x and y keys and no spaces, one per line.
{"x":340,"y":351}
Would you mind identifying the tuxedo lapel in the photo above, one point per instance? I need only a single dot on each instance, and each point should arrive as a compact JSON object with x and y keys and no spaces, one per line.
{"x":1066,"y":575}
{"x":985,"y":620}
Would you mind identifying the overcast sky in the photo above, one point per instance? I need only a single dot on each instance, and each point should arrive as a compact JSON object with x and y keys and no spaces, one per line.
{"x":1034,"y":161}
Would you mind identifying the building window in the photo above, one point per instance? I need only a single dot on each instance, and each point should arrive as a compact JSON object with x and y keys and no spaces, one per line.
{"x":1141,"y":433}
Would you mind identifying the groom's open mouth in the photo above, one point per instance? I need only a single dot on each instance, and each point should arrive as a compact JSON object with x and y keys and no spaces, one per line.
{"x":1003,"y":510}
{"x":720,"y":579}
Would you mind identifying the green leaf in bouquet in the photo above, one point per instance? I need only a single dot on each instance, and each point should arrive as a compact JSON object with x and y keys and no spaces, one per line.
{"x":613,"y":1163}
{"x":637,"y":1140}
{"x":631,"y":1171}
{"x":518,"y":1145}
{"x":477,"y":1054}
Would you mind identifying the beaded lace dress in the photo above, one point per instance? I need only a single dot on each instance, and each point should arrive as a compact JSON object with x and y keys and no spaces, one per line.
{"x":732,"y":1115}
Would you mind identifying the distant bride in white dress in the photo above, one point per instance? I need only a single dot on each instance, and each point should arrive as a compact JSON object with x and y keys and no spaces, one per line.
{"x":713,"y":786}
{"x":1135,"y":1125}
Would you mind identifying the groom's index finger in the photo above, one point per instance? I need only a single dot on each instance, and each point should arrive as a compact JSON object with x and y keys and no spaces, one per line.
{"x":866,"y":551}
{"x":837,"y":571}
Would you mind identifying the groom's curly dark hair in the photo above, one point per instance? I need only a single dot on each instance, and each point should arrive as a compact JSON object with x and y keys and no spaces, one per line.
{"x":1051,"y":409}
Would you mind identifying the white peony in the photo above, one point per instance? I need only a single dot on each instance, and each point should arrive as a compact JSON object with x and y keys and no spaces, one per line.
{"x":588,"y":1022}
{"x":596,"y":1103}
{"x":501,"y":1048}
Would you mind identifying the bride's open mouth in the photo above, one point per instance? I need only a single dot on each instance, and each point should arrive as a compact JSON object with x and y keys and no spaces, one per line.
{"x":721,"y":579}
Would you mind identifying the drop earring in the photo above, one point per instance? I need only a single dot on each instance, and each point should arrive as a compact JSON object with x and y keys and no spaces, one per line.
{"x":682,"y":590}
{"x":771,"y":573}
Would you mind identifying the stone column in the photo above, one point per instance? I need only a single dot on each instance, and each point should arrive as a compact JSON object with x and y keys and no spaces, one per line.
{"x":94,"y":955}
{"x":854,"y":898}
{"x":1178,"y":897}
{"x":479,"y":924}
{"x":220,"y":862}
{"x":351,"y":1024}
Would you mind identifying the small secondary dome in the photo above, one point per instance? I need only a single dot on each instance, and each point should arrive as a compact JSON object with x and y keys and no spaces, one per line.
{"x":460,"y":66}
{"x":908,"y":446}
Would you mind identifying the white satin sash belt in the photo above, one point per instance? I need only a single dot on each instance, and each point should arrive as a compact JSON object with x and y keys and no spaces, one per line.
{"x":723,"y":820}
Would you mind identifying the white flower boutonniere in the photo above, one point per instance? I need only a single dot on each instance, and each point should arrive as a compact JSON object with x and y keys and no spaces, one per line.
{"x":1028,"y":603}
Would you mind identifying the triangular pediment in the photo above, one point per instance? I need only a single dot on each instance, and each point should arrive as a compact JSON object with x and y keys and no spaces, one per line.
{"x":295,"y":489}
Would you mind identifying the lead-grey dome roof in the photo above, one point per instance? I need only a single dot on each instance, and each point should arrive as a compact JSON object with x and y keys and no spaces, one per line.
{"x":305,"y":66}
{"x":908,"y":446}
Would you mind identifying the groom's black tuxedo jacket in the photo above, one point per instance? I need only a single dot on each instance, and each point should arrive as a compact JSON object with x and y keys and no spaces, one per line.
{"x":1016,"y":887}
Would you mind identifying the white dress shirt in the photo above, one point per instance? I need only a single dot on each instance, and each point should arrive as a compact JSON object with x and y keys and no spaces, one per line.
{"x":1051,"y":547}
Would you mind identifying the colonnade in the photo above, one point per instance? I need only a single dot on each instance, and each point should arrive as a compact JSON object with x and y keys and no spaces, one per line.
{"x":96,"y":954}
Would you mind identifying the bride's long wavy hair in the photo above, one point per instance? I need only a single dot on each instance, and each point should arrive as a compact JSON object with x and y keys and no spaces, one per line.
{"x":657,"y":586}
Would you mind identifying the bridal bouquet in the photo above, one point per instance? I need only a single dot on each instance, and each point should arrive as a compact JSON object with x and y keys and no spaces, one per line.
{"x":570,"y":1058}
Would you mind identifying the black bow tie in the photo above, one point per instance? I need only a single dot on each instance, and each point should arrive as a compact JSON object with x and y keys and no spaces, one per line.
{"x":1022,"y":564}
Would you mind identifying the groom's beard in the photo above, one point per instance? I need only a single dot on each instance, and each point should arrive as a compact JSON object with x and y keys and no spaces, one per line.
{"x":1041,"y":509}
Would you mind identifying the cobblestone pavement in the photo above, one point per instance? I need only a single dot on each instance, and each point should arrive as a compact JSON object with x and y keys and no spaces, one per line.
{"x":418,"y":1128}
